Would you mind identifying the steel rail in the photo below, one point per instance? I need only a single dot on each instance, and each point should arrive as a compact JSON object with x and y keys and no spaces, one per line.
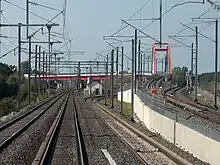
{"x":143,"y":162}
{"x":173,"y":156}
{"x":6,"y":142}
{"x":9,"y":123}
{"x":198,"y":110}
{"x":81,"y":148}
{"x":45,"y":147}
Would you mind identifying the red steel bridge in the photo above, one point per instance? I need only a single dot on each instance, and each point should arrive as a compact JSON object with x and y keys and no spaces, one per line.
{"x":84,"y":77}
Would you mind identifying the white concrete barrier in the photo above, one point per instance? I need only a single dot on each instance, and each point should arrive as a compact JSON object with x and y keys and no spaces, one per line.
{"x":199,"y":145}
{"x":126,"y":96}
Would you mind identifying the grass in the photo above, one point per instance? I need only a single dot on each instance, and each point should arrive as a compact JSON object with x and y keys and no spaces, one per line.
{"x":126,"y":107}
{"x":9,"y":104}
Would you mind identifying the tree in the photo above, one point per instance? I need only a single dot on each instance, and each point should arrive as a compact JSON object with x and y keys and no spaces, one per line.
{"x":6,"y":71}
{"x":13,"y":79}
{"x":179,"y":75}
{"x":125,"y":72}
{"x":25,"y":67}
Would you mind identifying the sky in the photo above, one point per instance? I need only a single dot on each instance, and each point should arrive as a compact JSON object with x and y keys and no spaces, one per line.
{"x":88,"y":21}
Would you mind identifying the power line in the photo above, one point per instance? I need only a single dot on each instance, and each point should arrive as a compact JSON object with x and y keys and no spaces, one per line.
{"x":44,"y":6}
{"x":7,"y":22}
{"x":30,"y":35}
{"x":163,"y":14}
{"x":145,"y":4}
{"x":45,"y":24}
{"x":122,"y":28}
{"x":25,"y":10}
{"x":205,"y":12}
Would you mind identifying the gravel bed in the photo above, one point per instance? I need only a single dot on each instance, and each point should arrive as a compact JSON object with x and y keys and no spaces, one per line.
{"x":66,"y":146}
{"x":149,"y":153}
{"x":157,"y":137}
{"x":4,"y":134}
{"x":98,"y":136}
{"x":24,"y":148}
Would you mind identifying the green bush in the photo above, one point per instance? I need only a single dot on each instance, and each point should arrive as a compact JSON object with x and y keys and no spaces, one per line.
{"x":7,"y":105}
{"x":7,"y":90}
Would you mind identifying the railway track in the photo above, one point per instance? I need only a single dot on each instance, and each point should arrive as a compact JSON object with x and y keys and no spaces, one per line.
{"x":74,"y":134}
{"x":65,"y":130}
{"x":60,"y":146}
{"x":100,"y":143}
{"x":152,"y":84}
{"x":14,"y":120}
{"x":24,"y":121}
{"x":179,"y":93}
{"x":92,"y":141}
{"x":191,"y":106}
{"x":197,"y":109}
{"x":138,"y":146}
{"x":13,"y":133}
{"x":44,"y":155}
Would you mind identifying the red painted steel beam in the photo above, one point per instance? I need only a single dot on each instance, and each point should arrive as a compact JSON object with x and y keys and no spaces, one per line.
{"x":75,"y":77}
{"x":161,"y":49}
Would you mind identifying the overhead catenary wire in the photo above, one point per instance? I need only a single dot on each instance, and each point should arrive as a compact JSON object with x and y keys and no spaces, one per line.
{"x":145,"y":4}
{"x":44,"y":6}
{"x":205,"y":12}
{"x":149,"y":23}
{"x":166,"y":12}
{"x":119,"y":51}
{"x":15,"y":5}
{"x":15,"y":30}
{"x":13,"y":50}
{"x":11,"y":27}
{"x":122,"y":28}
{"x":31,"y":35}
{"x":202,"y":14}
{"x":184,"y":28}
{"x":177,"y":4}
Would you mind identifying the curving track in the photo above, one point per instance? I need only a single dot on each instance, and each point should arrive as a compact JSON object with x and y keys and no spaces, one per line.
{"x":202,"y":111}
{"x":152,"y":84}
{"x":174,"y":97}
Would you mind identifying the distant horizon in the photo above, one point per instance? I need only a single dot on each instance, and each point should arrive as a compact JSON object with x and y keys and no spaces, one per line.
{"x":87,"y":22}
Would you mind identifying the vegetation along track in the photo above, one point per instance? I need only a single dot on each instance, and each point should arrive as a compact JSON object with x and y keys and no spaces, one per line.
{"x":16,"y":119}
{"x":196,"y":109}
